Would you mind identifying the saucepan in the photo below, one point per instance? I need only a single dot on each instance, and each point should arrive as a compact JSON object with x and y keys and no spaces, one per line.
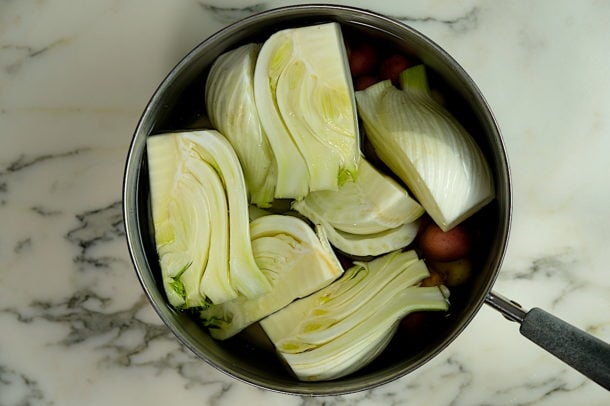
{"x":178,"y":104}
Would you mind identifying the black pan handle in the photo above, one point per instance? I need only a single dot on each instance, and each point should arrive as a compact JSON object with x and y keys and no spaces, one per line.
{"x":575,"y":347}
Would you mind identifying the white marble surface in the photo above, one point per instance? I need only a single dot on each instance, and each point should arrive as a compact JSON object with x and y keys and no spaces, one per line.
{"x":75,"y":327}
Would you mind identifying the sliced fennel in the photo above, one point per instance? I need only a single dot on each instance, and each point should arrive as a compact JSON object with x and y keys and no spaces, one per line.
{"x":371,"y":215}
{"x":305,"y":101}
{"x":426,"y":147}
{"x":370,"y":204}
{"x":345,"y":325}
{"x":353,"y":282}
{"x":255,"y":212}
{"x":229,"y":98}
{"x":200,"y":218}
{"x":362,"y":244}
{"x":296,"y":261}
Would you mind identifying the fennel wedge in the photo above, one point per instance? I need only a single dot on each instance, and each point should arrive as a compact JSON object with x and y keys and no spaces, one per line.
{"x":229,"y":99}
{"x":305,"y":101}
{"x":200,"y":217}
{"x":342,"y":327}
{"x":371,"y":215}
{"x":426,"y":147}
{"x":369,"y":204}
{"x":296,"y":260}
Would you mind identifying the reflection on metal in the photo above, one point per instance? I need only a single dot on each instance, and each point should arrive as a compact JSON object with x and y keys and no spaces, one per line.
{"x":510,"y":309}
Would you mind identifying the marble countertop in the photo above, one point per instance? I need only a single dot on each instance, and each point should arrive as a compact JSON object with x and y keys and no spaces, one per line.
{"x":76,"y":328}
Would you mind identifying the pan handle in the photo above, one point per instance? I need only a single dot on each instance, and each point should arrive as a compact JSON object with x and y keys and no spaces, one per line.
{"x":575,"y":347}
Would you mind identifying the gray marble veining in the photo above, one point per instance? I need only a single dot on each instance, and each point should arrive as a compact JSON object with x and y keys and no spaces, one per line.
{"x":75,"y":327}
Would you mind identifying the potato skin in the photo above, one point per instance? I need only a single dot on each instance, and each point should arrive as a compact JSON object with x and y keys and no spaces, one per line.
{"x":435,"y":279}
{"x":392,"y":66}
{"x":438,"y":245}
{"x":362,"y":60}
{"x":414,"y":322}
{"x":456,"y":272}
{"x":363,"y":82}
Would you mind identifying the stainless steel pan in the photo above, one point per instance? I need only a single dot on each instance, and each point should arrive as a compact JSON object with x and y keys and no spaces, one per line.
{"x":178,"y":104}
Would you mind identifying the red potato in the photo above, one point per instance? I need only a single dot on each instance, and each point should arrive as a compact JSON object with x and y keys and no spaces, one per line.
{"x":392,"y":67}
{"x":435,"y":279}
{"x":363,"y":82}
{"x":362,"y":60}
{"x":438,"y":245}
{"x":413,"y":322}
{"x":456,"y":272}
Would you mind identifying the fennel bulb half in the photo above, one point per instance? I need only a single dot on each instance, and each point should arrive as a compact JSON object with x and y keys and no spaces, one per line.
{"x":229,"y":99}
{"x":200,"y":218}
{"x":296,"y":260}
{"x":345,"y":325}
{"x":426,"y":147}
{"x":305,"y":101}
